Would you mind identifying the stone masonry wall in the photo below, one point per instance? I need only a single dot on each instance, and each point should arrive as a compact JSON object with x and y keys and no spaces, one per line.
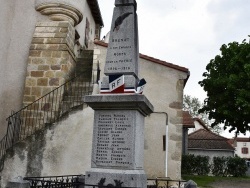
{"x":51,"y":59}
{"x":51,"y":62}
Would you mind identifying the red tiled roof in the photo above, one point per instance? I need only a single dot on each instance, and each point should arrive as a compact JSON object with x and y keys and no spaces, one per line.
{"x":158,"y":61}
{"x":203,"y":139}
{"x":152,"y":59}
{"x":188,"y":121}
{"x":231,"y":141}
{"x":241,"y":139}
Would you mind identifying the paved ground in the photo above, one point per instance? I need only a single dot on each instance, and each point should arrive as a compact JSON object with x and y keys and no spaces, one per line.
{"x":232,"y":184}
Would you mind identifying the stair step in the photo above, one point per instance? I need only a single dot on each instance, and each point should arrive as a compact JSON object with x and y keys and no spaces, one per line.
{"x":82,"y":84}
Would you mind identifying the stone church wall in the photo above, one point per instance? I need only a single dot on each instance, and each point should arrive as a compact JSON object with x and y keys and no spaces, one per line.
{"x":20,"y":19}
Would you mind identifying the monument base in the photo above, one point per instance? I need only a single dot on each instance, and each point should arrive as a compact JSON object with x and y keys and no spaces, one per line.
{"x":116,"y":178}
{"x":118,"y":140}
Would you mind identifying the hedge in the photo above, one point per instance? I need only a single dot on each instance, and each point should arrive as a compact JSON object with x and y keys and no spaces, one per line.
{"x":221,"y":166}
{"x":192,"y":164}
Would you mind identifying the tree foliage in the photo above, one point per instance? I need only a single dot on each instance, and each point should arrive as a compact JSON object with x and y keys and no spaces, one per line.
{"x":193,"y":105}
{"x":227,"y":83}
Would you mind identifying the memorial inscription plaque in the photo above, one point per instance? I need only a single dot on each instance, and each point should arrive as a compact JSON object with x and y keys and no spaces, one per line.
{"x":113,"y":139}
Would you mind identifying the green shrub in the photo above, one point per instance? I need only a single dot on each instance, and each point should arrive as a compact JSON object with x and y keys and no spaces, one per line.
{"x":222,"y":166}
{"x":188,"y":164}
{"x":219,"y":166}
{"x":192,"y":164}
{"x":202,"y":166}
{"x":237,"y":166}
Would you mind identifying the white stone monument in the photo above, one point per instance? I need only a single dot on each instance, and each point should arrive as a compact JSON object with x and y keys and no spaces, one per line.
{"x":118,"y":135}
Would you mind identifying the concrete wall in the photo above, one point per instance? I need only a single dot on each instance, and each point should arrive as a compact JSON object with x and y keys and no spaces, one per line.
{"x":164,"y":90}
{"x":18,"y":20}
{"x":61,"y":150}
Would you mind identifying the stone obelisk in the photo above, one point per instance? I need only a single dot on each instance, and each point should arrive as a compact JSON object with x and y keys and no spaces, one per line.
{"x":120,"y":109}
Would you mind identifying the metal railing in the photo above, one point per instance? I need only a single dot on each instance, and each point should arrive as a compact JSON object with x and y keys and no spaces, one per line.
{"x":46,"y":110}
{"x":165,"y":182}
{"x":78,"y":181}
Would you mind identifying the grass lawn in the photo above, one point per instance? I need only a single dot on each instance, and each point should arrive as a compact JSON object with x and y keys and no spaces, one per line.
{"x":204,"y":181}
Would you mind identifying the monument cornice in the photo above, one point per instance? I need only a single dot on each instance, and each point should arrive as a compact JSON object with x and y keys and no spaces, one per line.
{"x":120,"y":102}
{"x":60,"y":12}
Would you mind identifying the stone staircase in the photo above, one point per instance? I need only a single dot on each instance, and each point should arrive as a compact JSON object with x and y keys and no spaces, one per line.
{"x":52,"y":107}
{"x":77,"y":89}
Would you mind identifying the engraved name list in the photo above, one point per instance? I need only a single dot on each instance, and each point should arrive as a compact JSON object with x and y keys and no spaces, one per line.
{"x":113,"y":140}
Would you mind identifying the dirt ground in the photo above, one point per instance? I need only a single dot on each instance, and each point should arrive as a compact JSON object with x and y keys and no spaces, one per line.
{"x":231,"y":184}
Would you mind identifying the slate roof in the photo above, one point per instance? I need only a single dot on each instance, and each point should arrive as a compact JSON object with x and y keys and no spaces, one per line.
{"x":188,"y":121}
{"x":207,"y":140}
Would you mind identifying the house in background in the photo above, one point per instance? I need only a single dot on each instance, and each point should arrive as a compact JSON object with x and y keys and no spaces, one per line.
{"x":199,"y":140}
{"x":242,"y":147}
{"x":206,"y":143}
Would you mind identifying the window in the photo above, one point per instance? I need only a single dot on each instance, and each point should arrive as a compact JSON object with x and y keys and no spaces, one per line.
{"x":244,"y":150}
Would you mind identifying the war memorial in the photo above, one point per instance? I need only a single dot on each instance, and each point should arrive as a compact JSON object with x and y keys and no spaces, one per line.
{"x":120,"y":109}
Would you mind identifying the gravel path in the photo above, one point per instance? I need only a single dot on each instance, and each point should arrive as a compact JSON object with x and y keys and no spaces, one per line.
{"x":231,"y":184}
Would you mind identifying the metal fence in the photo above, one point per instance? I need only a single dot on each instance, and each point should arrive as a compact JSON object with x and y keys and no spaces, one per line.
{"x":164,"y":182}
{"x":46,"y":110}
{"x":78,"y":181}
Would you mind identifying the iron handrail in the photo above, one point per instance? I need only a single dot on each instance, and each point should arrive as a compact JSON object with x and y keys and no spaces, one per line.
{"x":45,"y":111}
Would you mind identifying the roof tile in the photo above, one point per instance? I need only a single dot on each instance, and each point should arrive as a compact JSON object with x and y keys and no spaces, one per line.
{"x":188,"y":121}
{"x":203,"y":139}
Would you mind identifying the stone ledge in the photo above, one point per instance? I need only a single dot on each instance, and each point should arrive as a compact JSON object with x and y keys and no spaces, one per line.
{"x":60,"y":12}
{"x":120,"y":102}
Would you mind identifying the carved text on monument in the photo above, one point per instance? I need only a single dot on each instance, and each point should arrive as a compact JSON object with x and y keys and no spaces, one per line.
{"x":113,"y":140}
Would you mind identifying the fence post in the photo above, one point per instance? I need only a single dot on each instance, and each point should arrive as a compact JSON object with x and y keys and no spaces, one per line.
{"x":18,"y":182}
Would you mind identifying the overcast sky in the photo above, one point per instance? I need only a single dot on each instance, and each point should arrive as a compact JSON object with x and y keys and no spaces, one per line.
{"x":187,"y":33}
